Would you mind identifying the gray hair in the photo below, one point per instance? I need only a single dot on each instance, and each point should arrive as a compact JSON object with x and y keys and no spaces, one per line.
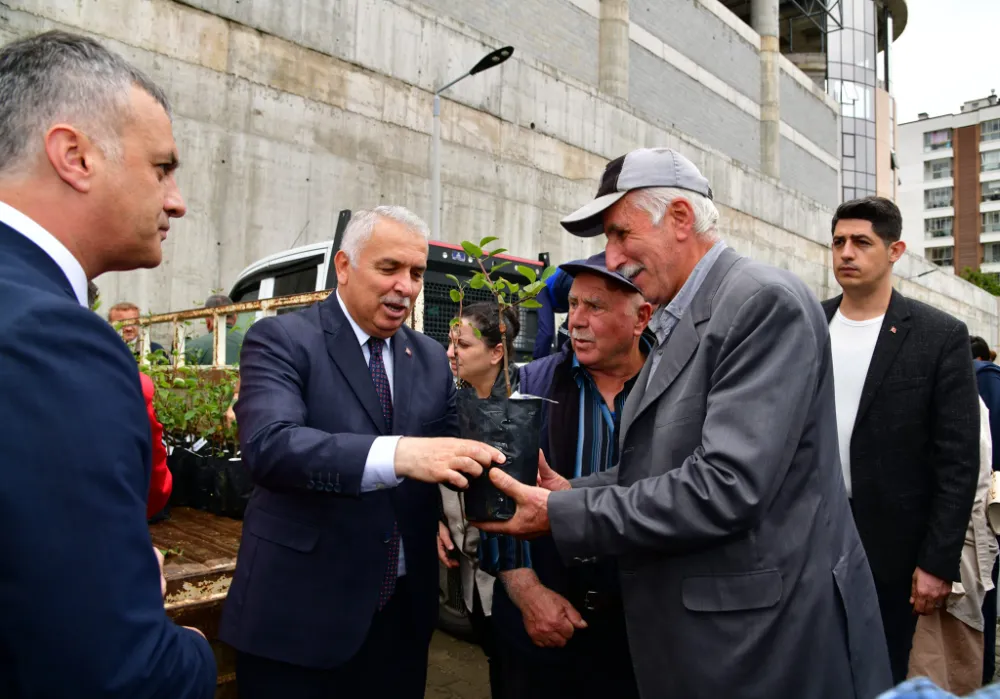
{"x":359,"y":228}
{"x":60,"y":77}
{"x":655,"y":201}
{"x":217,"y":300}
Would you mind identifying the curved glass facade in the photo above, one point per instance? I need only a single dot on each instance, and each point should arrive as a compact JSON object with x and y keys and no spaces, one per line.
{"x":852,"y":64}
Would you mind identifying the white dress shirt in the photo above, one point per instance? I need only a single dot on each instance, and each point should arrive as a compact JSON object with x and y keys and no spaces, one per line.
{"x":69,"y":265}
{"x":380,"y":469}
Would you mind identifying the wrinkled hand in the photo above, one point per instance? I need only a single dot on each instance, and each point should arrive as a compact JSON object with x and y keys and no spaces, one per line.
{"x":444,"y":546}
{"x":549,"y":618}
{"x":531,"y":518}
{"x":163,"y":580}
{"x":928,"y":593}
{"x":549,"y":479}
{"x":443,"y":459}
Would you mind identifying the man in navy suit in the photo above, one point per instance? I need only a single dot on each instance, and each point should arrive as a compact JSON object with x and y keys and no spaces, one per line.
{"x":87,"y":160}
{"x":345,"y":418}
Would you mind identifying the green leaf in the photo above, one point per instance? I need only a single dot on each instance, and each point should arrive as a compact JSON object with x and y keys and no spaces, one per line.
{"x":526,"y":272}
{"x":472,"y":249}
{"x":549,"y":271}
{"x":513,"y":287}
{"x":532,"y":289}
{"x":478,"y":280}
{"x":498,"y":265}
{"x":487,"y":240}
{"x":475,"y":331}
{"x":454,"y":279}
{"x":456,"y":295}
{"x":530,"y":303}
{"x":497,"y":251}
{"x":190,"y":414}
{"x":454,"y":322}
{"x":503,"y":298}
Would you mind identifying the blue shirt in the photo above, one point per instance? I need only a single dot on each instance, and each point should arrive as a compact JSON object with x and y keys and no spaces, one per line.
{"x":923,"y":688}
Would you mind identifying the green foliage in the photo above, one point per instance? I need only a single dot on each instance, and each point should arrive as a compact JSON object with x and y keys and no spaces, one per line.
{"x":191,"y":404}
{"x":987,"y":282}
{"x":507,"y":294}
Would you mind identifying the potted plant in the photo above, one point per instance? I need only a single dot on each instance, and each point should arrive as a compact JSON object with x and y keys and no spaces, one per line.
{"x":512,"y":423}
{"x":203,"y":447}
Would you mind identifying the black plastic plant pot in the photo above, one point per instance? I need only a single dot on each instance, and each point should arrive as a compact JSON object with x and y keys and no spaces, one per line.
{"x":512,"y":425}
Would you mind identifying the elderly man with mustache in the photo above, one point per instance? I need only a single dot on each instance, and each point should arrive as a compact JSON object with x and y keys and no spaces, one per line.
{"x":346,"y":419}
{"x":560,"y":630}
{"x":727,"y":511}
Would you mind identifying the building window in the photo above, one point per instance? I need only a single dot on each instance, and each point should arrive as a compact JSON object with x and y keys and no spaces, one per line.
{"x":937,"y":140}
{"x":991,"y":222}
{"x":990,"y":160}
{"x":941,"y":256}
{"x":991,"y":252}
{"x":990,"y":130}
{"x":991,"y":191}
{"x":937,"y":169}
{"x":939,"y":198}
{"x":938,"y":227}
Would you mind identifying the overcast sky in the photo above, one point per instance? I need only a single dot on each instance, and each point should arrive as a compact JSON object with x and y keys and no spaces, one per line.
{"x":947,"y":55}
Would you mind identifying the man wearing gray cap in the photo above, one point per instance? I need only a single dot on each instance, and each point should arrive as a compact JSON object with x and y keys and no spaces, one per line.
{"x":740,"y":566}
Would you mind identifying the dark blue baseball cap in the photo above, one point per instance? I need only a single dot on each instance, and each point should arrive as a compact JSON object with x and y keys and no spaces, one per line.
{"x":596,"y":264}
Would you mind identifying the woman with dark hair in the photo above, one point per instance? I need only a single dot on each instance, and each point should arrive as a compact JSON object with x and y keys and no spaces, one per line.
{"x":476,"y":355}
{"x":476,"y":349}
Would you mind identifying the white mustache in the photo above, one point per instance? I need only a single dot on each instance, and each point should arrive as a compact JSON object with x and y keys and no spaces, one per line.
{"x":403,"y":301}
{"x":629,"y":271}
{"x":582,"y":336}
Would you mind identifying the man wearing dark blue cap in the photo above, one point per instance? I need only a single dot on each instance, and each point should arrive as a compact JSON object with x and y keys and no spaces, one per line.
{"x":561,"y":631}
{"x":741,"y":570}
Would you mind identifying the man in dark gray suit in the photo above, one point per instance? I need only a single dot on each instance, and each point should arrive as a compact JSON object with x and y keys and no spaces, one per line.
{"x":741,"y":569}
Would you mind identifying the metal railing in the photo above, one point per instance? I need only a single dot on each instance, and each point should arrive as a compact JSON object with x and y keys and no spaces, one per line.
{"x":266,"y":308}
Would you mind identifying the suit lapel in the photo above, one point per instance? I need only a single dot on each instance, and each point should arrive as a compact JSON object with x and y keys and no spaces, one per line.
{"x":631,"y":409}
{"x":680,"y":345}
{"x":895,"y":328}
{"x":344,"y":350}
{"x":402,"y":378}
{"x":830,"y":307}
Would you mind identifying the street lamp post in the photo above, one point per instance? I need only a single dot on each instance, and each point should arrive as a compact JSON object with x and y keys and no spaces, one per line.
{"x":488,"y":61}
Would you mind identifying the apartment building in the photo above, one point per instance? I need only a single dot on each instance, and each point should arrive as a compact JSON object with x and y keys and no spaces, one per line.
{"x":949,"y":189}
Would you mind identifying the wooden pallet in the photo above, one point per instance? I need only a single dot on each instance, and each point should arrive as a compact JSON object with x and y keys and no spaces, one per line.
{"x":199,"y":567}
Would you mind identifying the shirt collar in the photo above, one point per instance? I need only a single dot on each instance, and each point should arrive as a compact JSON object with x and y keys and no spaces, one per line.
{"x":682,"y":301}
{"x":360,"y":334}
{"x":69,"y":265}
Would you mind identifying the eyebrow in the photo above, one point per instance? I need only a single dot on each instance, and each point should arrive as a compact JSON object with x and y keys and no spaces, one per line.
{"x":172,"y":161}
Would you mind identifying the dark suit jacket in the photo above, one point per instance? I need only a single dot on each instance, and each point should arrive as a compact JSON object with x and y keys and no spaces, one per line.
{"x":79,"y":584}
{"x":915,"y":445}
{"x":314,"y":546}
{"x":741,"y":570}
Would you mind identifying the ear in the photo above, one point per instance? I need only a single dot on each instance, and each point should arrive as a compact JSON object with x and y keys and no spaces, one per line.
{"x":896,"y":250}
{"x":643,"y":313}
{"x":72,"y":156}
{"x":341,"y":263}
{"x":681,"y":214}
{"x":496,"y":355}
